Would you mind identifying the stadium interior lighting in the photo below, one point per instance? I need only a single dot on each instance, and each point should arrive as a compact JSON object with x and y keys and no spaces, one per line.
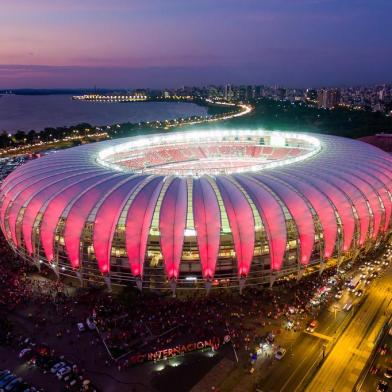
{"x":278,"y":140}
{"x":191,"y":278}
{"x":177,"y":153}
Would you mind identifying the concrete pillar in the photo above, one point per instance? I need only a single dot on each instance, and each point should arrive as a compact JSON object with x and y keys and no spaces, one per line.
{"x":108,"y":282}
{"x":80,"y":277}
{"x":272,"y":279}
{"x":208,"y":285}
{"x":55,"y":268}
{"x":173,"y":285}
{"x":300,"y":273}
{"x":242,"y":283}
{"x":139,"y":283}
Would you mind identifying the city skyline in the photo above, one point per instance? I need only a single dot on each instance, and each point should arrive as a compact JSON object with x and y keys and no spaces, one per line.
{"x":309,"y":43}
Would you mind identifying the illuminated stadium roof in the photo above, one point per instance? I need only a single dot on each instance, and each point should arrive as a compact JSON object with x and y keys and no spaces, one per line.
{"x":224,"y":205}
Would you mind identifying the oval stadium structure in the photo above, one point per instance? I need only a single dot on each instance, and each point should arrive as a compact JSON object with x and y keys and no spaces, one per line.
{"x":216,"y":208}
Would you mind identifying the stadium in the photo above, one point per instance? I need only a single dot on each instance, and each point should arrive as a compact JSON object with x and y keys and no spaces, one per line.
{"x":199,"y":210}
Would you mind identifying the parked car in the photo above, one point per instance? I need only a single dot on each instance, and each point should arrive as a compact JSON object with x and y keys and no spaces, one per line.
{"x":388,"y":372}
{"x":70,"y":380}
{"x":90,"y":324}
{"x":374,"y":370}
{"x":4,"y":373}
{"x":384,"y":349}
{"x":280,"y":353}
{"x":6,"y":380}
{"x":57,"y":366}
{"x":24,"y":353}
{"x":63,"y":372}
{"x":382,"y":386}
{"x":14,"y":384}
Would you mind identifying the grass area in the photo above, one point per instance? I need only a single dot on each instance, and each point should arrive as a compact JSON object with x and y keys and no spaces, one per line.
{"x":277,"y":115}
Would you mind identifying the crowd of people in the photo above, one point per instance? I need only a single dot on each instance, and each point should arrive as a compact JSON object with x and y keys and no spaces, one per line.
{"x":137,"y":322}
{"x":13,"y":277}
{"x":148,"y":323}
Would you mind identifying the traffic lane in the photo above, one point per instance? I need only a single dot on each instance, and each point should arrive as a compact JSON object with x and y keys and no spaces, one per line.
{"x":309,"y":347}
{"x":286,"y":373}
{"x":363,"y":348}
{"x":303,"y":354}
{"x":381,"y":362}
{"x":332,"y":317}
{"x":329,"y":322}
{"x":334,"y":372}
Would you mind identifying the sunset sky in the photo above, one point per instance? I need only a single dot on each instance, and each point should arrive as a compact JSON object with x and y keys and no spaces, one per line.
{"x":169,"y":43}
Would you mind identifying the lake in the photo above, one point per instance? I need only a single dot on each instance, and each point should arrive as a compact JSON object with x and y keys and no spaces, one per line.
{"x":26,"y":112}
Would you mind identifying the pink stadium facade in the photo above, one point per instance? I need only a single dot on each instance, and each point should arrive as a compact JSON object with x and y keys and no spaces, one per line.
{"x":195,"y":210}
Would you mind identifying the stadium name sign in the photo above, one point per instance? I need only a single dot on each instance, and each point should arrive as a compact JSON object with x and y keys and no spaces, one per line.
{"x":214,"y":343}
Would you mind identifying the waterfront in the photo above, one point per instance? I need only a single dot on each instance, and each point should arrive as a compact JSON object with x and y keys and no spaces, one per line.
{"x":26,"y":112}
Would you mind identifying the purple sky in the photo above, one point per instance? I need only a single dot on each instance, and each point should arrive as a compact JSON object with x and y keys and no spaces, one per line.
{"x":170,"y":43}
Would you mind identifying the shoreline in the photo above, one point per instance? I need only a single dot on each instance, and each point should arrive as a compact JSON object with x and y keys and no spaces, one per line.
{"x":25,"y":113}
{"x":86,"y":133}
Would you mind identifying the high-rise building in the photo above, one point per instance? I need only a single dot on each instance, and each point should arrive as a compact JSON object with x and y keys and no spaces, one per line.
{"x":328,"y":98}
{"x":258,"y":91}
{"x":382,"y":94}
{"x":250,"y":93}
{"x":311,"y":94}
{"x":228,"y":92}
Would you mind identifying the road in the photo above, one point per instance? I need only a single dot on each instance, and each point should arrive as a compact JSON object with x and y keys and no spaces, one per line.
{"x":306,"y":353}
{"x":348,"y":357}
{"x":381,"y":361}
{"x":303,"y":359}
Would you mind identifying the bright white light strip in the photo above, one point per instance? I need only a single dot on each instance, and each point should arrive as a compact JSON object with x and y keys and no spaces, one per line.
{"x":277,"y":141}
{"x":277,"y":137}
